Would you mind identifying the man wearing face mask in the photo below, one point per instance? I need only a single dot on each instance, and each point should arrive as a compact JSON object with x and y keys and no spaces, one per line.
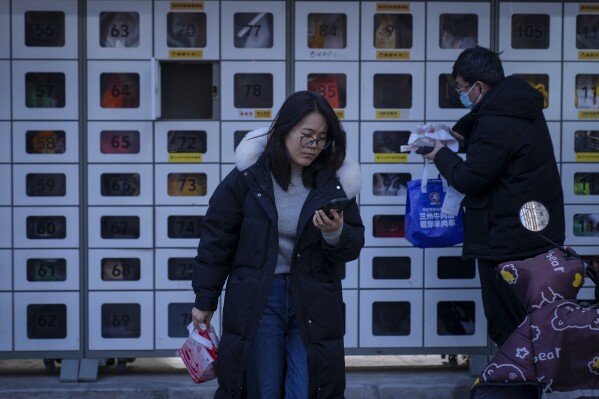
{"x":509,"y":161}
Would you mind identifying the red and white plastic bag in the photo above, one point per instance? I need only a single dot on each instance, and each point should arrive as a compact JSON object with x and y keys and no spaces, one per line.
{"x":199,"y":353}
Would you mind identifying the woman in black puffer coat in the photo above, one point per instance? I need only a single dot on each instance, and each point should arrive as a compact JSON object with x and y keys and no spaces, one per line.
{"x":264,"y":234}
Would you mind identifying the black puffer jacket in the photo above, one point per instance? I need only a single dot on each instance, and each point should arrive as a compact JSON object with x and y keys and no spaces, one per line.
{"x":240,"y":242}
{"x":509,"y":161}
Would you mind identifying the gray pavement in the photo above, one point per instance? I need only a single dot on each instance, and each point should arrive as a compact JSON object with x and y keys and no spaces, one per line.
{"x":368,"y":377}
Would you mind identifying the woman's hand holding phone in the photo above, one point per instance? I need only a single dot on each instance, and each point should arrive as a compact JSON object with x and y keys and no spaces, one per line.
{"x":330,"y":218}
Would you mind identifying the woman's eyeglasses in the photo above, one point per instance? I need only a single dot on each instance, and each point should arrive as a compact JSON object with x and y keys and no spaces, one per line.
{"x":307,"y":141}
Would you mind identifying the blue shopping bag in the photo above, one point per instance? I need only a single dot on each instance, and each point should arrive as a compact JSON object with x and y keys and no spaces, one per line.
{"x":425,"y":225}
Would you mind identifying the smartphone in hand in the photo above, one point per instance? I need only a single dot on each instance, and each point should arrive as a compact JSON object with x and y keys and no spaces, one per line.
{"x":339,"y":204}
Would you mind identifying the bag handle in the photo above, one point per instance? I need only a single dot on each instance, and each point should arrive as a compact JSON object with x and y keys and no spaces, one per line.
{"x":425,"y":179}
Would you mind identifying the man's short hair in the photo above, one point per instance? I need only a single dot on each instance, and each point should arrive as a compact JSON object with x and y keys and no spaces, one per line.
{"x":479,"y":64}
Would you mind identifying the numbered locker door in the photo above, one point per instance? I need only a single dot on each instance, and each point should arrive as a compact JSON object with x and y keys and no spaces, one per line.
{"x":391,"y":318}
{"x":118,"y":29}
{"x":387,"y":184}
{"x":4,"y":29}
{"x":529,"y":32}
{"x":179,"y":226}
{"x":46,"y":184}
{"x":381,"y":142}
{"x":6,"y":300}
{"x":338,"y":82}
{"x":393,"y":31}
{"x":454,"y":318}
{"x":6,"y":322}
{"x":46,"y":270}
{"x":5,"y":106}
{"x":392,"y":91}
{"x":385,"y":225}
{"x":445,"y":268}
{"x":581,"y":91}
{"x":50,"y":29}
{"x":120,"y":227}
{"x":455,"y":26}
{"x":46,"y":227}
{"x":176,"y":306}
{"x":580,"y":142}
{"x":580,"y":183}
{"x":442,"y":99}
{"x":582,"y":224}
{"x":48,"y":321}
{"x":187,"y":142}
{"x":120,"y":269}
{"x":186,"y":29}
{"x":252,"y":91}
{"x":325,"y":31}
{"x":253,"y":30}
{"x":121,"y":320}
{"x":45,"y":90}
{"x":545,"y":77}
{"x":174,"y":268}
{"x":391,"y":268}
{"x":119,"y":90}
{"x":581,"y":41}
{"x":48,"y":142}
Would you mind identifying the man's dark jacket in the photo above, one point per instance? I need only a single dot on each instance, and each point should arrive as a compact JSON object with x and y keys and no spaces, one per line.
{"x":509,"y":161}
{"x":240,"y":242}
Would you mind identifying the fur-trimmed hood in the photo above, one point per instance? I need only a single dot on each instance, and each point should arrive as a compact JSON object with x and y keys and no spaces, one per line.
{"x":253,"y":144}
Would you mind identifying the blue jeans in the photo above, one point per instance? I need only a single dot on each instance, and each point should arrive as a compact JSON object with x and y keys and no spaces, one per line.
{"x":278,"y":357}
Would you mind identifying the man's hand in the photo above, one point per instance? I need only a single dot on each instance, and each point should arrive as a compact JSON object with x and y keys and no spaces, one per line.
{"x":431,"y":155}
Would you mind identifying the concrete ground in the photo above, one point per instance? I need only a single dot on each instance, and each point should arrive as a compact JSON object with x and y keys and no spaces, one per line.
{"x":368,"y":377}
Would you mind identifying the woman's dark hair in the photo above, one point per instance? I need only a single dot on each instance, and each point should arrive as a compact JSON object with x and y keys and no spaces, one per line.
{"x":293,"y":110}
{"x":479,"y":64}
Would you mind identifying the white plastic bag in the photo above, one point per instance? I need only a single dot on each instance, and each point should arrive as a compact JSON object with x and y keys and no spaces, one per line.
{"x":199,"y":353}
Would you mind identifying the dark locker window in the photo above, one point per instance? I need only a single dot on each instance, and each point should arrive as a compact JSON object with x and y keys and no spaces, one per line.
{"x":458,"y":31}
{"x":587,"y":32}
{"x":391,"y":318}
{"x":332,"y":86}
{"x":45,"y":142}
{"x":179,"y":317}
{"x":46,"y":184}
{"x":184,"y":226}
{"x":253,"y":90}
{"x":44,"y":28}
{"x":327,"y":30}
{"x":393,"y":31}
{"x":121,"y":269}
{"x":456,"y":318}
{"x":586,"y":141}
{"x":530,"y":31}
{"x":187,"y":90}
{"x":180,"y":268}
{"x":119,"y":227}
{"x":448,"y":96}
{"x":187,"y":184}
{"x":46,"y":269}
{"x":186,"y":141}
{"x":384,"y":142}
{"x":47,"y":321}
{"x":392,"y":90}
{"x":119,"y":142}
{"x":391,"y":267}
{"x":390,"y":184}
{"x":121,"y":320}
{"x":454,"y":267}
{"x":253,"y":30}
